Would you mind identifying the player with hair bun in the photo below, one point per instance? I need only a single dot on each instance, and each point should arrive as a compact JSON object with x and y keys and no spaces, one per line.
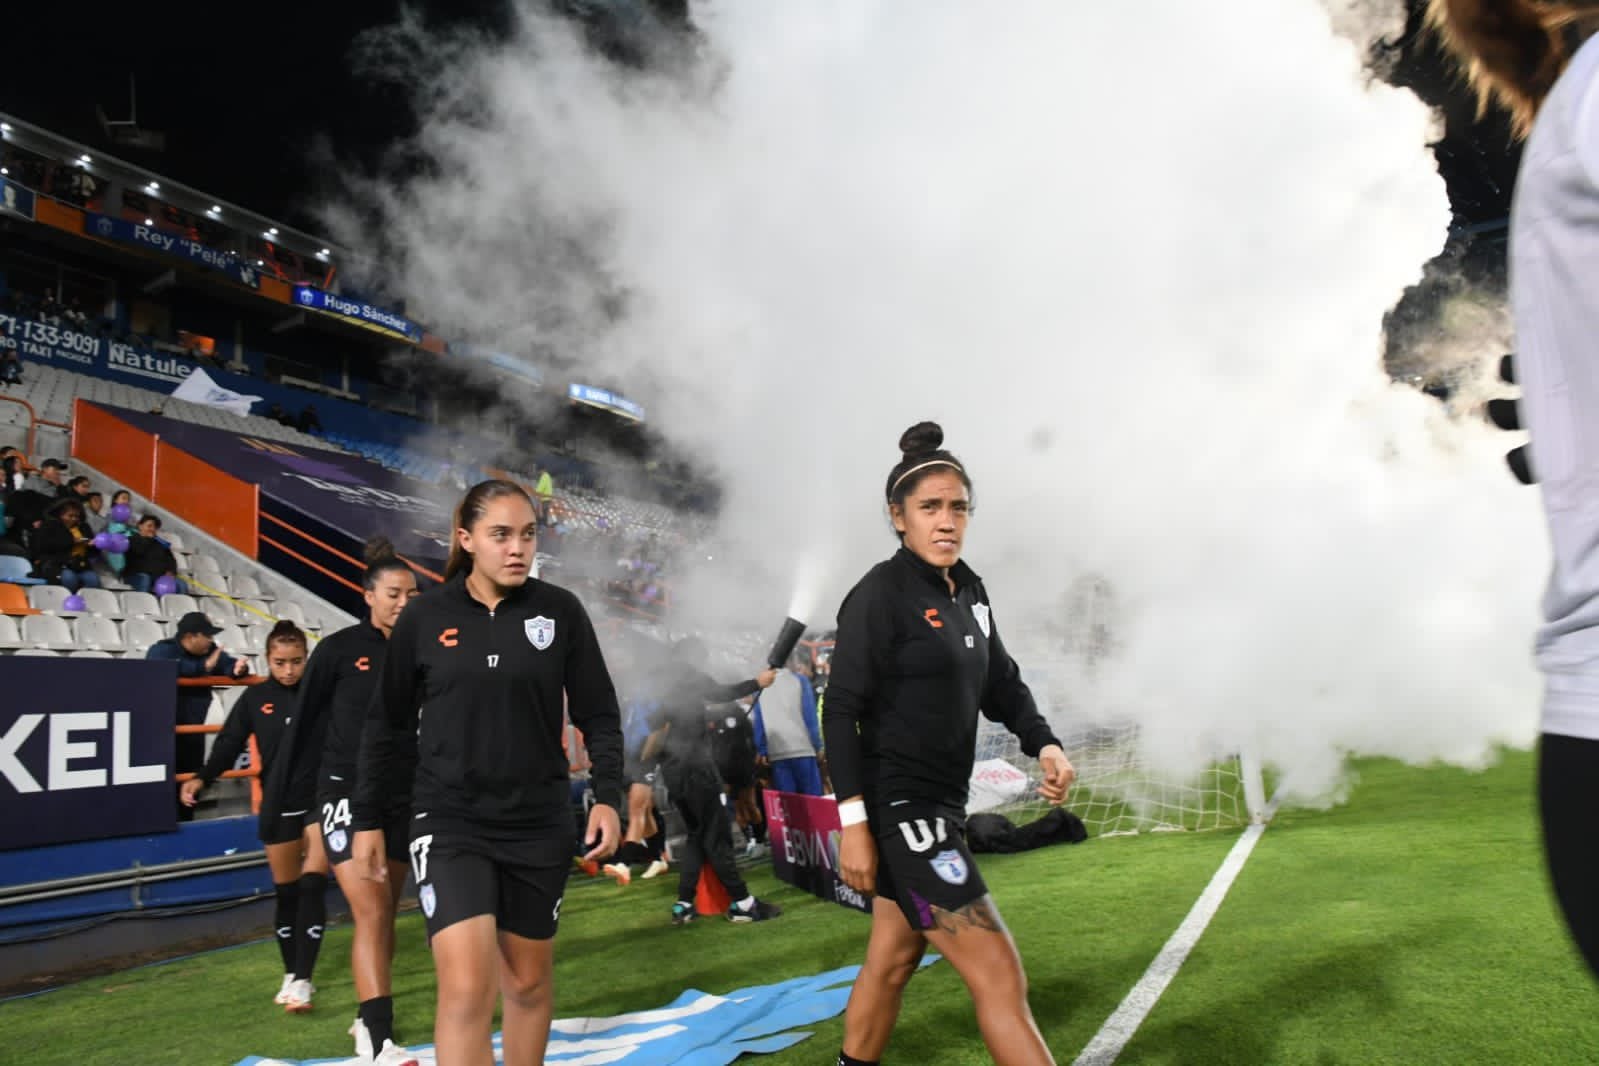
{"x":917,"y":657}
{"x":325,"y":743}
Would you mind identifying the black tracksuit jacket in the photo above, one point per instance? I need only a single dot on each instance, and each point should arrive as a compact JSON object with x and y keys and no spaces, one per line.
{"x":483,"y":691}
{"x":911,"y":668}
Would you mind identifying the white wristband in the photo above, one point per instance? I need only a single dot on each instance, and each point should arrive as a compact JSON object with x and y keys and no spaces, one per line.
{"x":852,"y":812}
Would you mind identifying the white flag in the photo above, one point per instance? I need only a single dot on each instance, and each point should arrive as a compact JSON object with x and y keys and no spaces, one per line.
{"x":199,"y":388}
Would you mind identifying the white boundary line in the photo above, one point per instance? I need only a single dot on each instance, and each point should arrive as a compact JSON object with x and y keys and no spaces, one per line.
{"x":1119,"y":1028}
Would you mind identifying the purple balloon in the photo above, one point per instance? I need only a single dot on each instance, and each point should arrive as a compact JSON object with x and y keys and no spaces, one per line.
{"x":119,"y":542}
{"x":121,"y":513}
{"x":102,"y":541}
{"x":74,"y":602}
{"x":166,"y":585}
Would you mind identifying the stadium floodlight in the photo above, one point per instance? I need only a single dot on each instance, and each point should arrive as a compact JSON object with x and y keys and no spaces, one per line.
{"x":149,"y":222}
{"x":273,"y":232}
{"x":5,"y":127}
{"x":323,"y":253}
{"x":84,"y":159}
{"x":4,"y":171}
{"x":154,"y":186}
{"x":215,"y":210}
{"x":260,"y":262}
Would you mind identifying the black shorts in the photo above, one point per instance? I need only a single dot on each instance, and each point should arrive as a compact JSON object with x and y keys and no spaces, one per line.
{"x":338,"y":838}
{"x":637,"y":774}
{"x":923,"y":862}
{"x":287,"y":827}
{"x":462,"y":873}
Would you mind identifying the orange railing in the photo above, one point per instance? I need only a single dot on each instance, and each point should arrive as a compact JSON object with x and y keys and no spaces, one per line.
{"x":34,"y":422}
{"x":218,"y":503}
{"x":254,"y":770}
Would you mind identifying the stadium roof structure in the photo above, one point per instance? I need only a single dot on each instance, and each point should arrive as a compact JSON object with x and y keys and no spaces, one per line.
{"x":43,"y":142}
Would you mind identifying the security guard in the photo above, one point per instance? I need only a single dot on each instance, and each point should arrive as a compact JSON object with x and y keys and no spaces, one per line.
{"x":917,"y":656}
{"x":485,"y":663}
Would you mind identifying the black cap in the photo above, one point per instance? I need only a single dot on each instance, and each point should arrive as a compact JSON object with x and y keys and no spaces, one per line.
{"x":197,"y":622}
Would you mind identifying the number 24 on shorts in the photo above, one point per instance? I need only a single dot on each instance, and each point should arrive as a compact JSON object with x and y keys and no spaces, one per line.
{"x":335,"y":815}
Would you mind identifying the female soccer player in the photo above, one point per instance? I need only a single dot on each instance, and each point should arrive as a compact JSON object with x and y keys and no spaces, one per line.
{"x":486,"y":658}
{"x":917,"y":656}
{"x":339,"y":682}
{"x":1541,"y":62}
{"x":293,"y":845}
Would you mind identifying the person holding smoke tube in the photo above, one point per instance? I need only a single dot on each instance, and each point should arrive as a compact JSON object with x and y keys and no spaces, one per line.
{"x":681,"y":739}
{"x":482,"y":671}
{"x":917,"y":656}
{"x":1540,"y":61}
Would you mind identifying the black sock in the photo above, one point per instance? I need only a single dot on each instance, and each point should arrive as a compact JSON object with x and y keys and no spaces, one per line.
{"x":283,"y":921}
{"x":632,"y":853}
{"x":758,"y":831}
{"x":377,"y":1014}
{"x":311,"y":916}
{"x":657,"y":843}
{"x":847,"y":1060}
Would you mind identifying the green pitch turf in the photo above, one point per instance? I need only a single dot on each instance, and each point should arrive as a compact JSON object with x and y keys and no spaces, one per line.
{"x":1412,"y":925}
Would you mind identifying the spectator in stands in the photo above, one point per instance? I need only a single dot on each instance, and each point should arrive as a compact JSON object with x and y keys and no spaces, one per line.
{"x":10,"y":368}
{"x":544,"y":491}
{"x":116,"y":560}
{"x":48,"y":480}
{"x":309,"y":421}
{"x":148,"y":559}
{"x":94,"y":513}
{"x":60,"y":548}
{"x":197,"y":655}
{"x":11,"y":476}
{"x":788,"y":735}
{"x":78,"y":489}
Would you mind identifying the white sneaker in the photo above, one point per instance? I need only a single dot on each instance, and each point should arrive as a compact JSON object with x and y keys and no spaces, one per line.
{"x":283,"y":991}
{"x":656,"y":869}
{"x":299,"y":1001}
{"x":363,"y":1039}
{"x":395,"y":1055}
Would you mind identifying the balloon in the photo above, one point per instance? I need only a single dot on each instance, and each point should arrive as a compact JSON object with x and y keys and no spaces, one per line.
{"x":121,"y":513}
{"x":166,"y":585}
{"x":119,"y":542}
{"x":74,"y":602}
{"x":102,"y":541}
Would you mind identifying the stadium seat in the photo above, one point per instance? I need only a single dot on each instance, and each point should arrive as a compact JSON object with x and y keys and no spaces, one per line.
{"x":255,"y":613}
{"x":15,"y":569}
{"x":233,"y":640}
{"x":175,"y":543}
{"x":244,"y":586}
{"x":10,"y":636}
{"x":50,"y":599}
{"x":142,"y":605}
{"x":177,"y":604}
{"x":47,"y":631}
{"x":293,"y":612}
{"x":90,"y":654}
{"x":141,"y":633}
{"x":14,"y":600}
{"x":103,"y":603}
{"x":36,"y":652}
{"x":98,"y":634}
{"x":220,"y":611}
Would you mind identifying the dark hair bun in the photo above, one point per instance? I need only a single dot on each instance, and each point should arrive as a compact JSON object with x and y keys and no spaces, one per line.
{"x":378,"y":549}
{"x":287,"y":631}
{"x":921,"y":439}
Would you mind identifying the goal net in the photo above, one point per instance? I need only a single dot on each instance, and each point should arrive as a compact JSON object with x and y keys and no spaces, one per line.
{"x":1115,"y":793}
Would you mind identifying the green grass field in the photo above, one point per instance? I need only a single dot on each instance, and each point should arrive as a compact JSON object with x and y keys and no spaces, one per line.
{"x":1411,"y":925}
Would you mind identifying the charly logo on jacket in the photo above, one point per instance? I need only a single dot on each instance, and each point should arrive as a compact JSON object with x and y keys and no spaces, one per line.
{"x":980,"y":612}
{"x":540,"y":631}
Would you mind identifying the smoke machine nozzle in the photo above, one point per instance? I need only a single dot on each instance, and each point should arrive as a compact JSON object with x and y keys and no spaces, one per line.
{"x":787,"y":638}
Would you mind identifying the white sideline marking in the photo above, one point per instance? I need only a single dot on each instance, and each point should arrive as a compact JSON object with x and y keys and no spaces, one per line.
{"x":1119,"y":1028}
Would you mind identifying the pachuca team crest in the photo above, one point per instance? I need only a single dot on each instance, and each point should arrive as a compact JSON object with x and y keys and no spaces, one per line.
{"x":980,"y":612}
{"x":540,"y":631}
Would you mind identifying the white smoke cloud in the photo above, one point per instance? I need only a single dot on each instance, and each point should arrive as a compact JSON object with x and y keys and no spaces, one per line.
{"x":1134,"y":258}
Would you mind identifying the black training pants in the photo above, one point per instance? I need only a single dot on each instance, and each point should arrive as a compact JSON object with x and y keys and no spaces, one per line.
{"x":697,"y":795}
{"x":1568,"y":797}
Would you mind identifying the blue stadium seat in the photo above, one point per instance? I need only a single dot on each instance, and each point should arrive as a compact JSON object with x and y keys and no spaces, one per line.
{"x":14,"y":569}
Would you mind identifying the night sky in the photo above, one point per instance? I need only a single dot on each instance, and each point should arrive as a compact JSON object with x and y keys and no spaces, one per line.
{"x":244,"y":110}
